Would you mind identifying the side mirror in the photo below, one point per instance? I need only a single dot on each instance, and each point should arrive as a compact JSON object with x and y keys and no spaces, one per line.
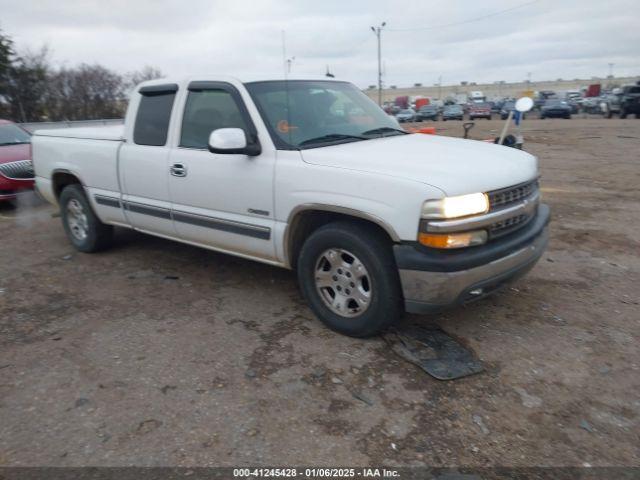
{"x":233,"y":141}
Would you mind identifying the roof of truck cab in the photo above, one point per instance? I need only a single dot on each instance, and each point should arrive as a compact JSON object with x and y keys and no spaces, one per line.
{"x":181,"y":81}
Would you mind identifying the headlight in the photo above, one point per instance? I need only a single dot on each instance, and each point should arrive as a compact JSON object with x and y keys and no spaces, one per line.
{"x":453,"y":207}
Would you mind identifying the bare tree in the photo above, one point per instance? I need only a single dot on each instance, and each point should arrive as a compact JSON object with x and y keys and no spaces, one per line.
{"x":27,"y":84}
{"x":85,"y":92}
{"x":32,"y":90}
{"x":146,"y":73}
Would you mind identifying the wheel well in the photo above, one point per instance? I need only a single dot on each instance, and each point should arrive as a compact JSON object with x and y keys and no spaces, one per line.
{"x":61,"y":180}
{"x":308,"y":221}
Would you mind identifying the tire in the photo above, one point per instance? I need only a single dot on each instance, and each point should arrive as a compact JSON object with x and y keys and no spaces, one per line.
{"x":623,"y":113}
{"x":542,"y":117}
{"x":376,"y":294}
{"x":83,"y":228}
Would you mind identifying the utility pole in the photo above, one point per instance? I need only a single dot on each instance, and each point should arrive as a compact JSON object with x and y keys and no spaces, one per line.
{"x":377,"y":31}
{"x":440,"y":87}
{"x":611,"y":70}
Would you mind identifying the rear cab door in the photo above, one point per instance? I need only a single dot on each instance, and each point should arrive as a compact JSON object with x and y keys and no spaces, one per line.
{"x":144,"y":159}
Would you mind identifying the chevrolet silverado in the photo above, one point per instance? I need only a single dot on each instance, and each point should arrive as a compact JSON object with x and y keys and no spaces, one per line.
{"x":309,"y":175}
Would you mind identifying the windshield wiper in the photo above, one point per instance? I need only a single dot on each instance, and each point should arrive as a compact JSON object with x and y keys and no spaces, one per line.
{"x":383,"y":130}
{"x":330,"y":138}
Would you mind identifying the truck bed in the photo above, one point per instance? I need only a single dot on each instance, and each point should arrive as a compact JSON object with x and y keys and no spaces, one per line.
{"x":111,"y":132}
{"x":89,"y":153}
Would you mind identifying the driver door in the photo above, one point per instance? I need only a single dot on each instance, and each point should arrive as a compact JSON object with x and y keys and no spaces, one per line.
{"x":224,"y":201}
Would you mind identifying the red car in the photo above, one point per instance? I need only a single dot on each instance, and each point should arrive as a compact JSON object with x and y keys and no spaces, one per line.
{"x":16,"y":168}
{"x":479,"y":110}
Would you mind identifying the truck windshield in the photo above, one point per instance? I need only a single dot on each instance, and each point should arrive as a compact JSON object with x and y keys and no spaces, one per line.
{"x":303,"y":114}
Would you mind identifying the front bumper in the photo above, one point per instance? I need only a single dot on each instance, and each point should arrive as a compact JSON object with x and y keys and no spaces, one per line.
{"x":9,"y":187}
{"x":433,"y":281}
{"x":556,"y":113}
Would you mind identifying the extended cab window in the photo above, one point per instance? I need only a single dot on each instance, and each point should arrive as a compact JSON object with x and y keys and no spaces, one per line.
{"x":152,"y":119}
{"x":206,"y":111}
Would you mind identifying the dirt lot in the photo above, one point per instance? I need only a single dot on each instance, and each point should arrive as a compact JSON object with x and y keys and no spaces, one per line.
{"x":156,"y":353}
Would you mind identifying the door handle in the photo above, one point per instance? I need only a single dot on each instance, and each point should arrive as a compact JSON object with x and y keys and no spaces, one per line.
{"x":178,"y":170}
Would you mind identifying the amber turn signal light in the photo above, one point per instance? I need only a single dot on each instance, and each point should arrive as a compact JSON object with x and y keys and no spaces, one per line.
{"x":453,"y":240}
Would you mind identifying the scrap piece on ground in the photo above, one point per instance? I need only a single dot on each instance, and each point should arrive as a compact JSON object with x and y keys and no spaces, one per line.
{"x":437,"y":353}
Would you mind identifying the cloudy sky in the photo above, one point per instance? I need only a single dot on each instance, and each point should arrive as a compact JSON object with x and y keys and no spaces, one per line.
{"x":458,"y":40}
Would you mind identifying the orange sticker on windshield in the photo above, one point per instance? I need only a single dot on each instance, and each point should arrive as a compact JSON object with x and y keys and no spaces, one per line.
{"x":284,"y":127}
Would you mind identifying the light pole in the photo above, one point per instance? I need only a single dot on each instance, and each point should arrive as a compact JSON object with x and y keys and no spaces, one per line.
{"x":377,"y":31}
{"x":611,"y":70}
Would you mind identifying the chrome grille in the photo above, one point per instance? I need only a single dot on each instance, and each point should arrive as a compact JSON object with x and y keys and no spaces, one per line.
{"x":508,"y":225}
{"x":506,"y":196}
{"x":18,"y":170}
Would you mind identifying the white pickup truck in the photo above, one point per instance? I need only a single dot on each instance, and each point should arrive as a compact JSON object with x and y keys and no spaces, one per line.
{"x":309,"y":175}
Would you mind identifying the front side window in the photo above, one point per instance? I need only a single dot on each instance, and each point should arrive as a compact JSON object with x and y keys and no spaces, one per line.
{"x":152,"y":120}
{"x":206,"y":111}
{"x":306,"y":114}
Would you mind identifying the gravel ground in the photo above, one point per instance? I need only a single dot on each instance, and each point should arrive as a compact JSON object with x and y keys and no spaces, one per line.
{"x":157,"y":353}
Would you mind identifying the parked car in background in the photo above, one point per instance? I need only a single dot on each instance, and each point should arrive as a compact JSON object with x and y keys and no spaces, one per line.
{"x":16,"y":168}
{"x":406,"y":115}
{"x":554,"y":107}
{"x":592,"y":104}
{"x":575,"y":106}
{"x":479,"y":110}
{"x":428,"y":112}
{"x":573,"y":96}
{"x":373,"y":219}
{"x":541,"y":97}
{"x":420,"y":102}
{"x":610,"y":104}
{"x":630,"y":100}
{"x":508,"y":106}
{"x":452,"y":112}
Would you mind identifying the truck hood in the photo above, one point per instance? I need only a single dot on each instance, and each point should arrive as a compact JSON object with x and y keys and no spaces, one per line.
{"x":453,"y":165}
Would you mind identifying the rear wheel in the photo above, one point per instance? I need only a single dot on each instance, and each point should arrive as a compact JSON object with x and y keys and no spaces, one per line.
{"x":348,"y":276}
{"x":84,"y":229}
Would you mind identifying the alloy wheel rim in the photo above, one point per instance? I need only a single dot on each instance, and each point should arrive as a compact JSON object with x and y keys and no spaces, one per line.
{"x":343,"y":282}
{"x":77,"y":220}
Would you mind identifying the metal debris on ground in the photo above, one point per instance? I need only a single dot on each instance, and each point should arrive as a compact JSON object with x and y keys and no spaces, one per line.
{"x":431,"y":349}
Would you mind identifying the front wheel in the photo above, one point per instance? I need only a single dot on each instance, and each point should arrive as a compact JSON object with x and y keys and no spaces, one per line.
{"x":84,"y":229}
{"x":348,"y":276}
